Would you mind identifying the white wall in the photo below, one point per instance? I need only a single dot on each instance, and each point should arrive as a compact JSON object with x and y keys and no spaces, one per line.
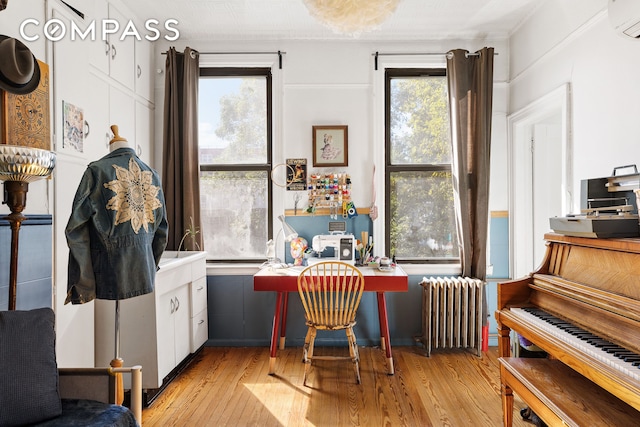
{"x":602,"y":68}
{"x":334,"y":82}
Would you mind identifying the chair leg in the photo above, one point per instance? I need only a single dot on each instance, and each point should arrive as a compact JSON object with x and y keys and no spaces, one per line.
{"x":307,"y":339}
{"x":353,"y":351}
{"x":308,"y":352}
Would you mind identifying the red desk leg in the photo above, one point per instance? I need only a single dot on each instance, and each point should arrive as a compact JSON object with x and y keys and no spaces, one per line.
{"x":274,"y":333}
{"x":384,"y":330}
{"x":283,"y":327}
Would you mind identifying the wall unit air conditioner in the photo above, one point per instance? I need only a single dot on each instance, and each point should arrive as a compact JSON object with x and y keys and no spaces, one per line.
{"x":624,"y":16}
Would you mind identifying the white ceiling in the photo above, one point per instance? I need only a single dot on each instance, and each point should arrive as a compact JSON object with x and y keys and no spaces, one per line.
{"x":290,"y":19}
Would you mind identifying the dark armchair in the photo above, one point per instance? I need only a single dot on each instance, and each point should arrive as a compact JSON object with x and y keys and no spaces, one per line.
{"x":33,"y":391}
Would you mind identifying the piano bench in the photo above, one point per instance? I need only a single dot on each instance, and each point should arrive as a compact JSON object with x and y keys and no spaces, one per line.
{"x":559,"y":395}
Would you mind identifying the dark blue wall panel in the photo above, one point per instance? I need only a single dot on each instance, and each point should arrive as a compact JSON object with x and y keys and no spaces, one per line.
{"x":34,"y":263}
{"x":239,"y":316}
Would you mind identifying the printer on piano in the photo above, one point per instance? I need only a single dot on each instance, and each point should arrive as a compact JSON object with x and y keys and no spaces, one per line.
{"x":608,"y":208}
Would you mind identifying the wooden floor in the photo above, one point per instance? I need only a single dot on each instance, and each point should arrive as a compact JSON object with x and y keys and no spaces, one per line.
{"x":231,"y":387}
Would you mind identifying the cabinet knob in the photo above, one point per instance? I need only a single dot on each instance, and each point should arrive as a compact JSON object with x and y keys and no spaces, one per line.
{"x":106,"y":47}
{"x":87,"y":129}
{"x":201,"y":322}
{"x":172,"y":305}
{"x":177,"y":304}
{"x":113,"y":51}
{"x":138,"y":150}
{"x":139,"y":71}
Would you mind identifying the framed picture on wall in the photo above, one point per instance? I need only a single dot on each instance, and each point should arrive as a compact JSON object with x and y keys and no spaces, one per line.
{"x":25,"y":118}
{"x":72,"y":128}
{"x":330,"y":146}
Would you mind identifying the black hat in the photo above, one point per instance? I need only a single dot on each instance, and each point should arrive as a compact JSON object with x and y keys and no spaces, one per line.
{"x":19,"y":69}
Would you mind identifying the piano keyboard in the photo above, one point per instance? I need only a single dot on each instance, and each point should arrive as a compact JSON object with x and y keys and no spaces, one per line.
{"x":605,"y":351}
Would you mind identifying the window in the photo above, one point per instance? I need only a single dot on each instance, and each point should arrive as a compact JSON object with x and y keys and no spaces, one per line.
{"x":420,"y":205}
{"x":234,"y":131}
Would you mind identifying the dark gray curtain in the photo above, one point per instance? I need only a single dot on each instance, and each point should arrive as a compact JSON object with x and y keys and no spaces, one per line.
{"x":470,"y":78}
{"x":180,"y":168}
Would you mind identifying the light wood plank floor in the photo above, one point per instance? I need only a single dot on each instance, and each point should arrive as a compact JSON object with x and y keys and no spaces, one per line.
{"x":230,"y":387}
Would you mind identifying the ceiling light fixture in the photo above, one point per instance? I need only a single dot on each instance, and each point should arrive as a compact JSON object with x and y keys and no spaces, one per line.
{"x":351,"y":17}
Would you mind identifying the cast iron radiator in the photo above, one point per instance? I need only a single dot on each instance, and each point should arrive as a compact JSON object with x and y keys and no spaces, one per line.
{"x":452,"y":313}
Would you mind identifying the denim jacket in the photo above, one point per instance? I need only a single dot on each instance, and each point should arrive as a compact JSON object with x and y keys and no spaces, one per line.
{"x":117,"y":230}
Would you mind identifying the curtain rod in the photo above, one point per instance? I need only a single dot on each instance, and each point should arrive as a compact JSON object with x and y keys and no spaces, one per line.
{"x":279,"y":53}
{"x":377,"y":54}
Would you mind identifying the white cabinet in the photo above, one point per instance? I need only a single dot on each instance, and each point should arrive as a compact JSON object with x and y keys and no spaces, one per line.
{"x":144,"y":132}
{"x":115,"y":55}
{"x":199,"y":323}
{"x":122,"y":113}
{"x":125,"y":64}
{"x":144,"y":75}
{"x":97,"y":132}
{"x":158,"y":330}
{"x":121,"y":55}
{"x":173,"y":327}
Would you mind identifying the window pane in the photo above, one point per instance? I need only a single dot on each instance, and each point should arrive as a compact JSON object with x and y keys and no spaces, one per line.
{"x":419,"y":121}
{"x":232,"y":122}
{"x":423,"y":217}
{"x":234,"y":214}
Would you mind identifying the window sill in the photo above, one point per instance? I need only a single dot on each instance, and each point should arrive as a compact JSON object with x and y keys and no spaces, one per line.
{"x":432,"y":269}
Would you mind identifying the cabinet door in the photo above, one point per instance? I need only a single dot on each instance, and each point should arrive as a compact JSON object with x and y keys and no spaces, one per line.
{"x":100,"y":49}
{"x":97,"y":131}
{"x":122,"y":113}
{"x":144,"y":132}
{"x":143,"y":74}
{"x":182,"y":319}
{"x":166,"y":334}
{"x":122,"y":53}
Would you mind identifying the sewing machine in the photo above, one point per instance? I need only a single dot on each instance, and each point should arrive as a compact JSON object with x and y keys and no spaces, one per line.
{"x":344,"y":248}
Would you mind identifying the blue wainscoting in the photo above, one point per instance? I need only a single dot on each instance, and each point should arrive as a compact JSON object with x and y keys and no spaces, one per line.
{"x":239,"y":316}
{"x":34,"y":263}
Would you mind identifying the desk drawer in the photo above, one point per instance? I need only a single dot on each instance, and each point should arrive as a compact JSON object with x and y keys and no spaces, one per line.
{"x":199,"y":330}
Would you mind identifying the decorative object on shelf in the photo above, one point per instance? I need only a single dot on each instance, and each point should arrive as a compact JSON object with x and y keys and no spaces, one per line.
{"x":298,"y":247}
{"x":332,"y":190}
{"x":351,"y":17}
{"x":191,"y":231}
{"x":330,"y":146}
{"x":72,"y":127}
{"x":296,"y":174}
{"x":25,"y":117}
{"x":365,"y":248}
{"x":20,"y":74}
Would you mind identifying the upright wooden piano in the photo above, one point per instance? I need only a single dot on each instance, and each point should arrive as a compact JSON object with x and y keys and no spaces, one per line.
{"x":582,"y":306}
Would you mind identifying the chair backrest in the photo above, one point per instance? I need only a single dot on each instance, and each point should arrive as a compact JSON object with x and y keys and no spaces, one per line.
{"x":330,"y":292}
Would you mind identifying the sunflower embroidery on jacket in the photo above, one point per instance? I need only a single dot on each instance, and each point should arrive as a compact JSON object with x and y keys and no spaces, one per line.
{"x":135,"y":198}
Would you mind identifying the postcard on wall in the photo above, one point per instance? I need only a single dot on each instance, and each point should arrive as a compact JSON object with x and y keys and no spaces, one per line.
{"x":296,"y":174}
{"x":72,"y":127}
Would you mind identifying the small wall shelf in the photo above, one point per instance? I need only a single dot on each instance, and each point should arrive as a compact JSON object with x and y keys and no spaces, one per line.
{"x":320,"y":211}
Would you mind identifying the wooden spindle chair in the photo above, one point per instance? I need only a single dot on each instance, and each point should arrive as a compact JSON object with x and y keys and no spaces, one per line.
{"x":330,"y":292}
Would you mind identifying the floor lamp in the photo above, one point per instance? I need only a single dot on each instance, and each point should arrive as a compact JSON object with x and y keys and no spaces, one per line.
{"x":18,"y":167}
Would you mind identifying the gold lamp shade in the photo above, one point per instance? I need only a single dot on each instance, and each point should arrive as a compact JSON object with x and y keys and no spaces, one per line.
{"x":25,"y":164}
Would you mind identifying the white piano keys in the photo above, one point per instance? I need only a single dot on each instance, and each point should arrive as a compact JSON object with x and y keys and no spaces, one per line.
{"x":597,"y":353}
